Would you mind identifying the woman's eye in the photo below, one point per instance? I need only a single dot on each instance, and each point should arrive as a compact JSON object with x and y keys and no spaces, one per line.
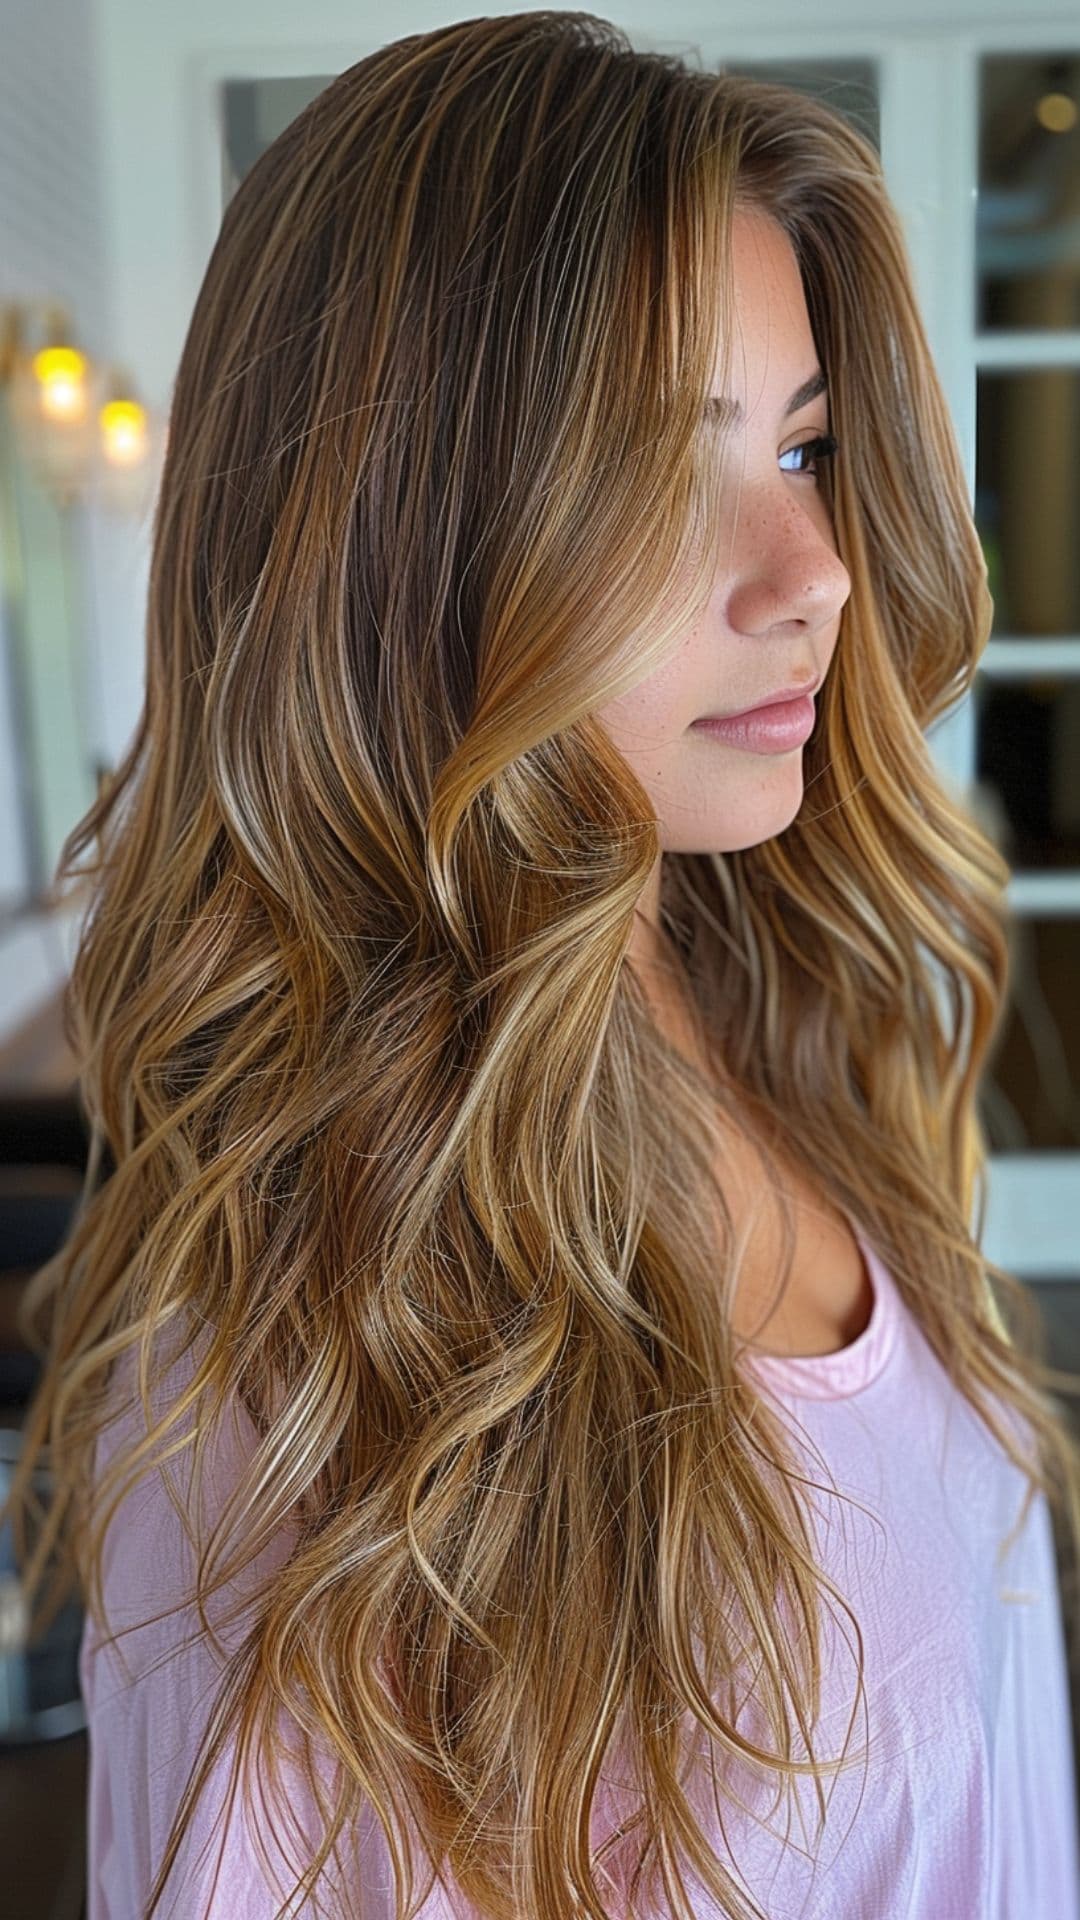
{"x":821,"y":448}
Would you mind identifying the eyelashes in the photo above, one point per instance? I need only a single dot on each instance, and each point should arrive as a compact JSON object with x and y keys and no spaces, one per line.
{"x":821,"y":448}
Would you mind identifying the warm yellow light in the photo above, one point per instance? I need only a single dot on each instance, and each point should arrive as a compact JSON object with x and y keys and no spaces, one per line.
{"x":61,"y":376}
{"x":123,"y":432}
{"x":1057,"y":112}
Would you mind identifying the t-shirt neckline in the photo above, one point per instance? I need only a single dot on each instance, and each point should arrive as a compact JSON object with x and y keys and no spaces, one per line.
{"x":833,"y":1376}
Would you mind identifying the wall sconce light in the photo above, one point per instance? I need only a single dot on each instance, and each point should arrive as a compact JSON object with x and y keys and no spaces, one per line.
{"x":125,"y":434}
{"x":81,"y":428}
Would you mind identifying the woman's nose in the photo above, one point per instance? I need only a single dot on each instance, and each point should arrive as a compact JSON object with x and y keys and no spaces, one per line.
{"x":787,"y":568}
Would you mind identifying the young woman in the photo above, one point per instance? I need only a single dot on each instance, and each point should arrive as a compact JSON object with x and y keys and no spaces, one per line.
{"x":528,"y":1409}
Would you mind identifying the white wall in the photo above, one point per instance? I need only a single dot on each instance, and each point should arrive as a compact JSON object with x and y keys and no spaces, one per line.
{"x":53,"y":245}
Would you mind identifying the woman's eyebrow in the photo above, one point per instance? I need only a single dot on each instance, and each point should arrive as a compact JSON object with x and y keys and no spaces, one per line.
{"x":719,"y":408}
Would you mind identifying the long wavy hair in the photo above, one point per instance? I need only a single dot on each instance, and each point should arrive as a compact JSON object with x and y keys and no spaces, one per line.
{"x":383,"y":1130}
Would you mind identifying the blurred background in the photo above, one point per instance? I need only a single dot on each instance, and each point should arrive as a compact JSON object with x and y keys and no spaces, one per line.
{"x":125,"y":125}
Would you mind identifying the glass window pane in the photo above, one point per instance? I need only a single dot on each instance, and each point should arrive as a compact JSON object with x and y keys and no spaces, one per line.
{"x":253,"y":113}
{"x":1027,"y":768}
{"x":1027,"y":497}
{"x":1030,"y":1095}
{"x":1058,"y":1301}
{"x":1027,"y":245}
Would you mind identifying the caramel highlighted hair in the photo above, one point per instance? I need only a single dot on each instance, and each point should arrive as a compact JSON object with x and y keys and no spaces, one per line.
{"x":385,"y":1143}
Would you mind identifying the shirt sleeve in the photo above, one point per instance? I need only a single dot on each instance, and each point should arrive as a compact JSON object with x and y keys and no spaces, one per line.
{"x":149,"y":1701}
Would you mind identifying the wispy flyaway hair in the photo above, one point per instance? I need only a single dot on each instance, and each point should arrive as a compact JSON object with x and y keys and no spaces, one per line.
{"x":384,"y":1138}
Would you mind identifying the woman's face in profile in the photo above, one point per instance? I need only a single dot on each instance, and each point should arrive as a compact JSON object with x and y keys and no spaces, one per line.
{"x":773,"y":615}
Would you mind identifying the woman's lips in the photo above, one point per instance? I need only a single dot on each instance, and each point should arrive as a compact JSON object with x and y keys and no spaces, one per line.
{"x":775,"y":727}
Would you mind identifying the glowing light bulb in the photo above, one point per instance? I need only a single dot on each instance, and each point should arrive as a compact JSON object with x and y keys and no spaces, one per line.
{"x":60,"y":373}
{"x":123,"y":432}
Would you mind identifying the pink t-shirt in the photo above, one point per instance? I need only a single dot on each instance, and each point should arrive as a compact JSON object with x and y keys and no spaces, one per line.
{"x":965,"y":1811}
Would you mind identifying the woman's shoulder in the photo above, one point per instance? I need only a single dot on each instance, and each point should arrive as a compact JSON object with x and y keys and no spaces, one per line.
{"x":170,"y":1510}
